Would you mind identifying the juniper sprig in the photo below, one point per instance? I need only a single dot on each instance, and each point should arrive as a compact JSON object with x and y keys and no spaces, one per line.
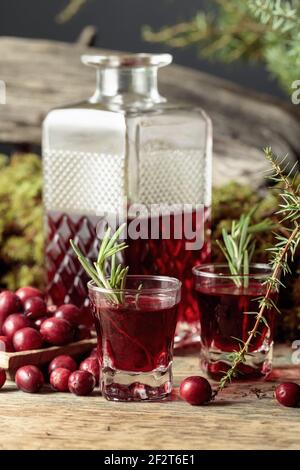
{"x":281,"y":254}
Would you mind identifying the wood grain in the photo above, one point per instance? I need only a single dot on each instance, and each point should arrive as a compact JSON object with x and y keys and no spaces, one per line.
{"x":41,"y":75}
{"x":245,"y":416}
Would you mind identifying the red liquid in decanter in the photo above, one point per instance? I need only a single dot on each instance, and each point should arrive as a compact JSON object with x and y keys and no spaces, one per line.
{"x":166,"y":255}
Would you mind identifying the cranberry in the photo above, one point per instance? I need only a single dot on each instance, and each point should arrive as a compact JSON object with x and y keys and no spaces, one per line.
{"x":6,"y":344}
{"x":91,"y":364}
{"x":195,"y":390}
{"x":35,"y":307}
{"x":39,"y":322}
{"x":57,"y":331}
{"x":13,"y":323}
{"x":69,"y":312}
{"x":59,"y":379}
{"x":9,"y":303}
{"x":81,"y":382}
{"x":29,"y":379}
{"x":64,"y":362}
{"x":82,"y":332}
{"x":2,"y":377}
{"x":25,"y":293}
{"x":27,"y":339}
{"x":288,"y":394}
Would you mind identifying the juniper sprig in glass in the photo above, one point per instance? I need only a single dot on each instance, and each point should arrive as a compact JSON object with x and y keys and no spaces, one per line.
{"x":126,"y":146}
{"x":228,"y":307}
{"x":135,"y":336}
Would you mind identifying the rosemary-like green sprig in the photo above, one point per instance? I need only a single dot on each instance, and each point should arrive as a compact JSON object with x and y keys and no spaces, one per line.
{"x":107,"y":252}
{"x":282,"y":253}
{"x":238,"y":246}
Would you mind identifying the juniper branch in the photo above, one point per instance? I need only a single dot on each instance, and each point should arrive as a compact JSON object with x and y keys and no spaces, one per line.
{"x":282,"y":253}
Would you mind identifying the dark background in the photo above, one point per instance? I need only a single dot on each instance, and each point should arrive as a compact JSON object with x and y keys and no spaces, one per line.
{"x":119,"y":23}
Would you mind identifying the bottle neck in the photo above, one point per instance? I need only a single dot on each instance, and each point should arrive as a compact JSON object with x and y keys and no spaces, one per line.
{"x":127,"y":87}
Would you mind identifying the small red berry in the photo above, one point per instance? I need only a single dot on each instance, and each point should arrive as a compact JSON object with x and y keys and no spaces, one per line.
{"x":35,"y":307}
{"x":62,"y":361}
{"x":9,"y":303}
{"x":195,"y":390}
{"x":13,"y":323}
{"x":57,"y":331}
{"x":91,"y":364}
{"x":27,"y":292}
{"x":27,"y":339}
{"x":288,"y":394}
{"x":59,"y":379}
{"x":2,"y":377}
{"x":29,"y":379}
{"x":81,"y":382}
{"x":69,"y":312}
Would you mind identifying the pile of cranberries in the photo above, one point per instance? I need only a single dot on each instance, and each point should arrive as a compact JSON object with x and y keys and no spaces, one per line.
{"x":62,"y":374}
{"x":27,"y":323}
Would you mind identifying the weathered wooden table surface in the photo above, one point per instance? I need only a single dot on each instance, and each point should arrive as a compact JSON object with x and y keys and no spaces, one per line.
{"x":245,"y":416}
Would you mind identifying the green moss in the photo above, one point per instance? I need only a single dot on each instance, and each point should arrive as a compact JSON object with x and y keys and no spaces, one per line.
{"x":21,"y":221}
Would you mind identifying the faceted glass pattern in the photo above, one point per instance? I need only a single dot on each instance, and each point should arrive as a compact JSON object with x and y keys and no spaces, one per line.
{"x":125,"y":146}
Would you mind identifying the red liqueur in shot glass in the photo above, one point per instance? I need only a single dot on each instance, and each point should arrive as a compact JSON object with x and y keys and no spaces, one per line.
{"x":135,"y":329}
{"x":227,"y":306}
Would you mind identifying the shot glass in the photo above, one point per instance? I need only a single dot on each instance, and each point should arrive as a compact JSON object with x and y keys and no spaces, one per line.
{"x":227,"y":307}
{"x":135,"y":330}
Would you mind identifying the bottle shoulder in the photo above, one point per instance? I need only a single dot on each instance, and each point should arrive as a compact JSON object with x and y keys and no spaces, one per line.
{"x":146,"y":111}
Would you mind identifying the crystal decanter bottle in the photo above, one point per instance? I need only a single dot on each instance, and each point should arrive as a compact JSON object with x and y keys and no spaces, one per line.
{"x":128,"y":152}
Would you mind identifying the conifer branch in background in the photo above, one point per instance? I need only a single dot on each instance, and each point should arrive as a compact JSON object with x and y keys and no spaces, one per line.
{"x":253,"y":30}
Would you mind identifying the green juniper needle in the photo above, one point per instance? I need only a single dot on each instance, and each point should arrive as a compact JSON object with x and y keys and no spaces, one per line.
{"x":282,"y":253}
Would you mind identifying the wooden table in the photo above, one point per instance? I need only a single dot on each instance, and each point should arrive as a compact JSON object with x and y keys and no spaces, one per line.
{"x":245,"y":416}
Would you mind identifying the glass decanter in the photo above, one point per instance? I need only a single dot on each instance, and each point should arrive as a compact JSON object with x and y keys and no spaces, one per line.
{"x":128,"y":153}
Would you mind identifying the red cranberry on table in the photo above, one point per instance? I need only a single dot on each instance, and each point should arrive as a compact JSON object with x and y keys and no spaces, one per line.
{"x":91,"y":364}
{"x":2,"y":377}
{"x":288,"y":394}
{"x":27,"y":339}
{"x":6,"y":344}
{"x":29,"y":379}
{"x":27,"y":292}
{"x":62,"y":361}
{"x":59,"y":379}
{"x":195,"y":390}
{"x":9,"y":303}
{"x":81,"y":382}
{"x":35,"y":307}
{"x":69,"y":312}
{"x":82,"y":332}
{"x":13,"y":323}
{"x":57,"y":331}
